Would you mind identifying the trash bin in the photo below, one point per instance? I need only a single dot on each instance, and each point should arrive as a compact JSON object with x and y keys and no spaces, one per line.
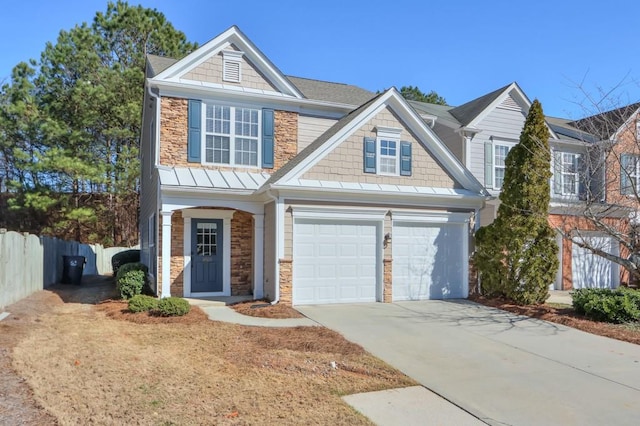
{"x":72,"y":267}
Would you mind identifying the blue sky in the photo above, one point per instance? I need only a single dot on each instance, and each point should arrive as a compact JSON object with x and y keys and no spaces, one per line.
{"x":558,"y":51}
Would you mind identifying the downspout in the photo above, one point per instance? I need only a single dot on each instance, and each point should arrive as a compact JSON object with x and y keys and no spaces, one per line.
{"x":278,"y":226}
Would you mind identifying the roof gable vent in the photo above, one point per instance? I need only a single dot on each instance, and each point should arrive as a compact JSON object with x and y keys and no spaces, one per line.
{"x":510,"y":103}
{"x":232,"y":66}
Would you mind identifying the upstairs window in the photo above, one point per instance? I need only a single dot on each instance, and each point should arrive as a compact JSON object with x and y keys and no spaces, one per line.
{"x":388,"y":152}
{"x":500,"y":151}
{"x":629,"y":174}
{"x":566,"y":177}
{"x":232,"y":135}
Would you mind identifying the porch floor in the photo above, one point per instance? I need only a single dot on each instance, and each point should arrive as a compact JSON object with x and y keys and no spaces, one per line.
{"x":205,"y":302}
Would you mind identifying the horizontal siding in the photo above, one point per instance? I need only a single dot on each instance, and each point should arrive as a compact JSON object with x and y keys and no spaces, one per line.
{"x":309,"y":128}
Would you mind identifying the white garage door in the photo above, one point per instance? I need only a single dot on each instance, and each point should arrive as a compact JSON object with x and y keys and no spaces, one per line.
{"x":429,"y":261}
{"x":589,"y":270}
{"x":334,"y":261}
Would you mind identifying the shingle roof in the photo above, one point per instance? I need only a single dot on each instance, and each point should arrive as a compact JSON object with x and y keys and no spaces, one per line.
{"x":157,"y":64}
{"x":563,"y":127}
{"x":606,"y":124}
{"x":440,"y":111}
{"x":313,"y":146}
{"x":465,"y":113}
{"x":331,"y":92}
{"x":311,"y":89}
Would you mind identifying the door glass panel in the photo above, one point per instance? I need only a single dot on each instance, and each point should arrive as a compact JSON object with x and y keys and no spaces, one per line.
{"x":207,"y":239}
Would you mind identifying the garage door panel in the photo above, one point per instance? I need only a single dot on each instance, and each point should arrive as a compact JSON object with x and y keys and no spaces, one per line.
{"x":335,"y":261}
{"x":428,"y":261}
{"x":590,"y":270}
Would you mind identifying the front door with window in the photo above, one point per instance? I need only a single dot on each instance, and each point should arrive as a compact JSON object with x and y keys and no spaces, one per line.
{"x":206,"y":255}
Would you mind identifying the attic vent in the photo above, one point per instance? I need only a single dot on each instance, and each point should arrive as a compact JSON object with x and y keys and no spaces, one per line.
{"x":232,"y":66}
{"x":509,"y":103}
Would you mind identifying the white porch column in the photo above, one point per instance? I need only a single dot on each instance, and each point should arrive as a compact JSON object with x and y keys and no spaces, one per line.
{"x":258,"y":256}
{"x":166,"y":253}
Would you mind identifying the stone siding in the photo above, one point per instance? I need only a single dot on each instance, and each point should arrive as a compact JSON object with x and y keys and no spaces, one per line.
{"x":387,"y":291}
{"x":286,"y":137}
{"x":241,"y":254}
{"x":286,"y":281}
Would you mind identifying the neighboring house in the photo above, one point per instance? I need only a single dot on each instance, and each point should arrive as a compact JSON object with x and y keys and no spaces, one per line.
{"x":295,"y":190}
{"x":482,"y":132}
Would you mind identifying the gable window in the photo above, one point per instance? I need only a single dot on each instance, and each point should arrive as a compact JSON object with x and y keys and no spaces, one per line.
{"x":500,"y":151}
{"x":232,"y":66}
{"x":388,"y":151}
{"x":629,"y":174}
{"x":231,"y":135}
{"x":566,"y":178}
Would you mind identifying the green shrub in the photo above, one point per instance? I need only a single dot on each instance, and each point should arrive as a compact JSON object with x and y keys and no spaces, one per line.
{"x":173,"y":307}
{"x":601,"y":304}
{"x":142,"y":303}
{"x":124,"y":257}
{"x":131,"y":279}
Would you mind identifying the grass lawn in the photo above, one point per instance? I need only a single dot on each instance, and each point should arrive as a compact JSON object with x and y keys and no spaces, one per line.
{"x":88,"y":363}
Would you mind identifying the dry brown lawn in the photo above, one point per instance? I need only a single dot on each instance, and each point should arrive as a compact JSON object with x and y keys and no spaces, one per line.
{"x":98,"y":364}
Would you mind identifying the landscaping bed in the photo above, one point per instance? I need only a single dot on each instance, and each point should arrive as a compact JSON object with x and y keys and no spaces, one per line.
{"x":86,"y":363}
{"x":264,"y":309}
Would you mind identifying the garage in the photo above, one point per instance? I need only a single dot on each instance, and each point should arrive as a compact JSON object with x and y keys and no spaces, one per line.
{"x":429,"y":260}
{"x":335,"y":261}
{"x":588,"y":270}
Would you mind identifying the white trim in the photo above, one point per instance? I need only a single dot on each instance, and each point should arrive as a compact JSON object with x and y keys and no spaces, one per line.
{"x":494,"y":143}
{"x":430,"y":216}
{"x":226,"y":216}
{"x":231,"y":58}
{"x":337,"y":212}
{"x":395,"y":158}
{"x":388,"y":132}
{"x":166,"y":253}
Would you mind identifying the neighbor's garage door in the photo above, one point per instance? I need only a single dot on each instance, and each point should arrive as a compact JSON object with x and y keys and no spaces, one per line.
{"x":589,"y":270}
{"x":334,"y":261}
{"x":429,"y":261}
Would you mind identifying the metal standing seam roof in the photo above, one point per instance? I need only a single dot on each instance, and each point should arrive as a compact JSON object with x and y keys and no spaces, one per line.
{"x":198,"y":178}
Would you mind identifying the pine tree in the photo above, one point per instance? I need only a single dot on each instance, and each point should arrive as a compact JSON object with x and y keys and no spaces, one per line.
{"x":516,"y":255}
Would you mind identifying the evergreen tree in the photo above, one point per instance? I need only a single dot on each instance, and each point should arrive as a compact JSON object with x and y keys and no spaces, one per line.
{"x":516,"y":255}
{"x":411,"y":93}
{"x":82,"y":138}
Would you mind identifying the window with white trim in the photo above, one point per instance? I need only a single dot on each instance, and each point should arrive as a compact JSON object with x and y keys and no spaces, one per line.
{"x":569,"y":178}
{"x":629,"y":174}
{"x":500,"y":151}
{"x":388,"y":157}
{"x":232,"y":135}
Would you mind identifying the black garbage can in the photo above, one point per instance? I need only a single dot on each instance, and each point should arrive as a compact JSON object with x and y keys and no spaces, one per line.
{"x":72,"y":267}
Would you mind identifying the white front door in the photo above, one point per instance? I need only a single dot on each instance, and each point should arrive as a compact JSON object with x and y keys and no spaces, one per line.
{"x":335,"y":261}
{"x":429,"y":261}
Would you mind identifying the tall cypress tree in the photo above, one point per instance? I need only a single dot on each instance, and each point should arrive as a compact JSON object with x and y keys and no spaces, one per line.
{"x":516,"y":255}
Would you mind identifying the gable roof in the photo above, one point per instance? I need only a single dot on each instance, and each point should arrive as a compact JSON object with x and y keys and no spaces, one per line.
{"x":605,"y":125}
{"x":232,"y":36}
{"x":331,"y":92}
{"x":563,"y":127}
{"x":466,"y":113}
{"x":349,"y":123}
{"x":156,"y":64}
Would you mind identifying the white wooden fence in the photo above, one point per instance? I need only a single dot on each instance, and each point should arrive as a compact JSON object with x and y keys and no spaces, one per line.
{"x":29,"y":263}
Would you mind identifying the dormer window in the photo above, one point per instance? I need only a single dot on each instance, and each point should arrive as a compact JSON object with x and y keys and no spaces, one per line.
{"x":387,"y":154}
{"x":232,"y":66}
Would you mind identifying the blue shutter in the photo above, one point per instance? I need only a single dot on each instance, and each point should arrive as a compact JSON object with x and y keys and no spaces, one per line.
{"x":626,"y":161}
{"x":267,"y":138}
{"x":582,"y":176}
{"x":405,"y":158}
{"x":369,"y":155}
{"x":488,"y":164}
{"x":195,"y":128}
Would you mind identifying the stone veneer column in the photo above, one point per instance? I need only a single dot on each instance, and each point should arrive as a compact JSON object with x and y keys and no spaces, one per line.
{"x":258,"y":256}
{"x":387,"y":291}
{"x":286,"y":278}
{"x":166,"y":253}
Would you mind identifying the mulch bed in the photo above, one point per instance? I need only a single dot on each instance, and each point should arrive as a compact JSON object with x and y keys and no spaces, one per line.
{"x":264,"y":309}
{"x":118,"y":310}
{"x":565,"y":316}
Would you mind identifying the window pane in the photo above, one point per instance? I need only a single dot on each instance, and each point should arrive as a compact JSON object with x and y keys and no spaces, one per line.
{"x":499,"y":178}
{"x":246,"y":152}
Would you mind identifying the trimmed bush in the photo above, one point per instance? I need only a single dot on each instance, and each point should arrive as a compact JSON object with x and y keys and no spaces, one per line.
{"x":142,"y":303}
{"x":173,"y":307}
{"x":131,"y":279}
{"x":601,"y":304}
{"x":124,"y":257}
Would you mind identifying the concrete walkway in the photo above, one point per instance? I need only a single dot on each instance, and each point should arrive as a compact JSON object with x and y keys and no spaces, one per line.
{"x":217,"y":310}
{"x":500,"y":367}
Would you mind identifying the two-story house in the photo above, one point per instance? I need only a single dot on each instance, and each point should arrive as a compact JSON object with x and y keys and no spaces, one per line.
{"x":295,"y":190}
{"x":481,"y":133}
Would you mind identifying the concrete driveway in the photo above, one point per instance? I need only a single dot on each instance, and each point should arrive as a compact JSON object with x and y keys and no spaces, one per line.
{"x":503,"y":368}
